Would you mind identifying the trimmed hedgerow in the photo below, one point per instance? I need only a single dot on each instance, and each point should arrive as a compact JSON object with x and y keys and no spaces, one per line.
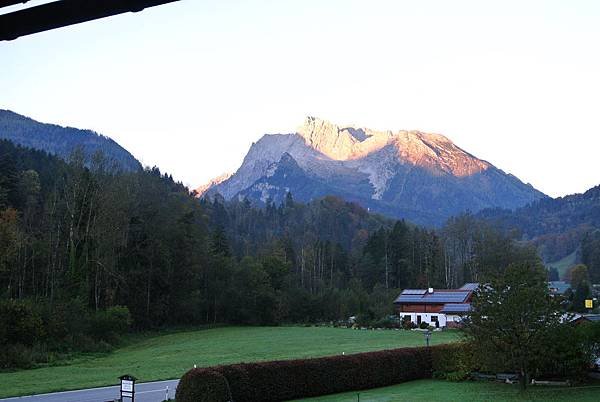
{"x":292,"y":379}
{"x":202,"y":385}
{"x":453,"y":361}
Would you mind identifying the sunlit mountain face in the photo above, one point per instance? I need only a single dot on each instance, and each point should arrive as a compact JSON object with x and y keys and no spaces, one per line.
{"x":418,"y":176}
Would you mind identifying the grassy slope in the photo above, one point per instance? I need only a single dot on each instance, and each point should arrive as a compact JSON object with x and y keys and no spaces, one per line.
{"x":564,"y":264}
{"x":171,"y":355}
{"x":428,"y":390}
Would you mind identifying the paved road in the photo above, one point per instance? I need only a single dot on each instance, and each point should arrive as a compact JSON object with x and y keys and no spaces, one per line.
{"x":144,"y":392}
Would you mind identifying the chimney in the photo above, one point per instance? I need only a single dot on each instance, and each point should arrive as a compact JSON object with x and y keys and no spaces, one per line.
{"x":430,"y":290}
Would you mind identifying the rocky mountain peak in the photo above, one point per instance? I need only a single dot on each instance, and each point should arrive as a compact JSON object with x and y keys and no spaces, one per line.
{"x":328,"y":138}
{"x":412,"y":174}
{"x":214,"y":182}
{"x":432,"y":151}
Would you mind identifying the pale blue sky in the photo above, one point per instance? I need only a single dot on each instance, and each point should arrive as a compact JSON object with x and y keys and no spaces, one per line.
{"x":189,"y":86}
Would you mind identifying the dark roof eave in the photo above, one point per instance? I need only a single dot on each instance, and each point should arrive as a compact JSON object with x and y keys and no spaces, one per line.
{"x":62,"y":13}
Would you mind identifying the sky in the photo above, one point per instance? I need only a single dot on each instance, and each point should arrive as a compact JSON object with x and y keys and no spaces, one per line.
{"x":189,"y":86}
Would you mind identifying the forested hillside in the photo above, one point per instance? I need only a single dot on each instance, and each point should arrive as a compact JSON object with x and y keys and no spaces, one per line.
{"x":62,"y":141}
{"x":85,"y":251}
{"x":557,"y":227}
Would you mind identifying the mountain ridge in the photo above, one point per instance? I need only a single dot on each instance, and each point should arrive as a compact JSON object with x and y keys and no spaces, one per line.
{"x":404,"y":174}
{"x":62,"y":141}
{"x":556,"y":226}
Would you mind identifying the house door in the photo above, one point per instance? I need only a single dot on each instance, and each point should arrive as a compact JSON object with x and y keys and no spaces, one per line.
{"x":418,"y":319}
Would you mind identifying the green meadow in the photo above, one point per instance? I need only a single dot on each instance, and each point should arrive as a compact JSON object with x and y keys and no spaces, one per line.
{"x":168,"y":355}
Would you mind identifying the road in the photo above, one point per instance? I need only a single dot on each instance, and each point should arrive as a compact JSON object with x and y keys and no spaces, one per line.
{"x":144,"y":392}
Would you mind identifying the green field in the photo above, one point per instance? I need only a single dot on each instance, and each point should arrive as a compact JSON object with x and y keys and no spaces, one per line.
{"x":166,"y":356}
{"x":436,"y":390}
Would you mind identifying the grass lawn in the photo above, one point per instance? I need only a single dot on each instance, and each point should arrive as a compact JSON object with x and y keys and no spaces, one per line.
{"x":167,"y":356}
{"x":437,"y":390}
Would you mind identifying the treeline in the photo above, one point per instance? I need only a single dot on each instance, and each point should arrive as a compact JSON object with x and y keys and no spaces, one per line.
{"x":590,"y":254}
{"x":62,"y":141}
{"x":83,"y":241}
{"x":556,"y":226}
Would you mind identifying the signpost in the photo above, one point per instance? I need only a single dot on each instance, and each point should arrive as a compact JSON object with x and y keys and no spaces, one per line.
{"x":427,"y":336}
{"x":128,"y":387}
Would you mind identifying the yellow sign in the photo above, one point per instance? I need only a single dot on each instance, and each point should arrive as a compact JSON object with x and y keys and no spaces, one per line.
{"x":589,"y":303}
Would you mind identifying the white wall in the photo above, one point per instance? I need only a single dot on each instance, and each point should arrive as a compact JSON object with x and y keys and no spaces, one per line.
{"x":427,"y":317}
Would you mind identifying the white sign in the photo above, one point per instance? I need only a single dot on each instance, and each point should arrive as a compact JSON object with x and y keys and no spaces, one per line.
{"x":126,"y":385}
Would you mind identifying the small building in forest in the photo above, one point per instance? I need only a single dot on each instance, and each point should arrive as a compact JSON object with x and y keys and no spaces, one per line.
{"x":558,"y":287}
{"x":438,"y":307}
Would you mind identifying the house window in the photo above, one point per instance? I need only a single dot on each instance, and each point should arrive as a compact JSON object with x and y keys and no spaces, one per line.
{"x":407,"y":318}
{"x":434,"y":318}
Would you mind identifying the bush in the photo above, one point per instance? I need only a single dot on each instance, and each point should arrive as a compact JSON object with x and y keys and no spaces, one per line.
{"x":567,"y":356}
{"x":16,"y":356}
{"x":19,"y":323}
{"x":452,"y":361}
{"x":292,"y":379}
{"x":109,"y":324}
{"x":65,"y":321}
{"x":202,"y":385}
{"x":424,"y":325}
{"x":408,"y":324}
{"x":386,"y":323}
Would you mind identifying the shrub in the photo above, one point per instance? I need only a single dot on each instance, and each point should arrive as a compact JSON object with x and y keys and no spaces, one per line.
{"x":291,"y":379}
{"x":424,"y":325}
{"x":386,"y":323}
{"x":65,"y":321}
{"x":109,"y":324}
{"x":452,"y":361}
{"x":567,"y":354}
{"x":16,"y":356}
{"x":202,"y":385}
{"x":19,"y":323}
{"x":407,"y":324}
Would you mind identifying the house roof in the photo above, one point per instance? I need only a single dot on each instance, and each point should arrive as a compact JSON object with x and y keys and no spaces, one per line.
{"x":436,"y":297}
{"x":576,"y":318}
{"x":456,"y":308}
{"x":558,"y":287}
{"x":592,"y":317}
{"x":60,"y":13}
{"x":470,"y":286}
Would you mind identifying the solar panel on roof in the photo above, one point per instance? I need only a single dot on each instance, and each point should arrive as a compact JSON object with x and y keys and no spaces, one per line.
{"x":446,"y":297}
{"x":470,"y":286}
{"x":409,"y":298}
{"x":414,"y":291}
{"x":456,"y":308}
{"x":437,"y":297}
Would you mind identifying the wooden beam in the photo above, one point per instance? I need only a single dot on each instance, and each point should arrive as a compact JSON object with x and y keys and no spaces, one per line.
{"x":6,"y":3}
{"x":62,"y":13}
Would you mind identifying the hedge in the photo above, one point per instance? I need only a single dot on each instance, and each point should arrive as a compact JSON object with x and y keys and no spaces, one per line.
{"x":452,"y":361}
{"x":203,"y":385}
{"x":293,"y":379}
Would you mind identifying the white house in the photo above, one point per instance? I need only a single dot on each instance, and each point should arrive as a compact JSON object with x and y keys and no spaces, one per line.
{"x":437,"y":307}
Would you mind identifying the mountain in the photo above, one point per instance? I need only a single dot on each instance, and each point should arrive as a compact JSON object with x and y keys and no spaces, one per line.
{"x":556,"y":226}
{"x":217,"y":180}
{"x":418,"y":176}
{"x":61,"y":141}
